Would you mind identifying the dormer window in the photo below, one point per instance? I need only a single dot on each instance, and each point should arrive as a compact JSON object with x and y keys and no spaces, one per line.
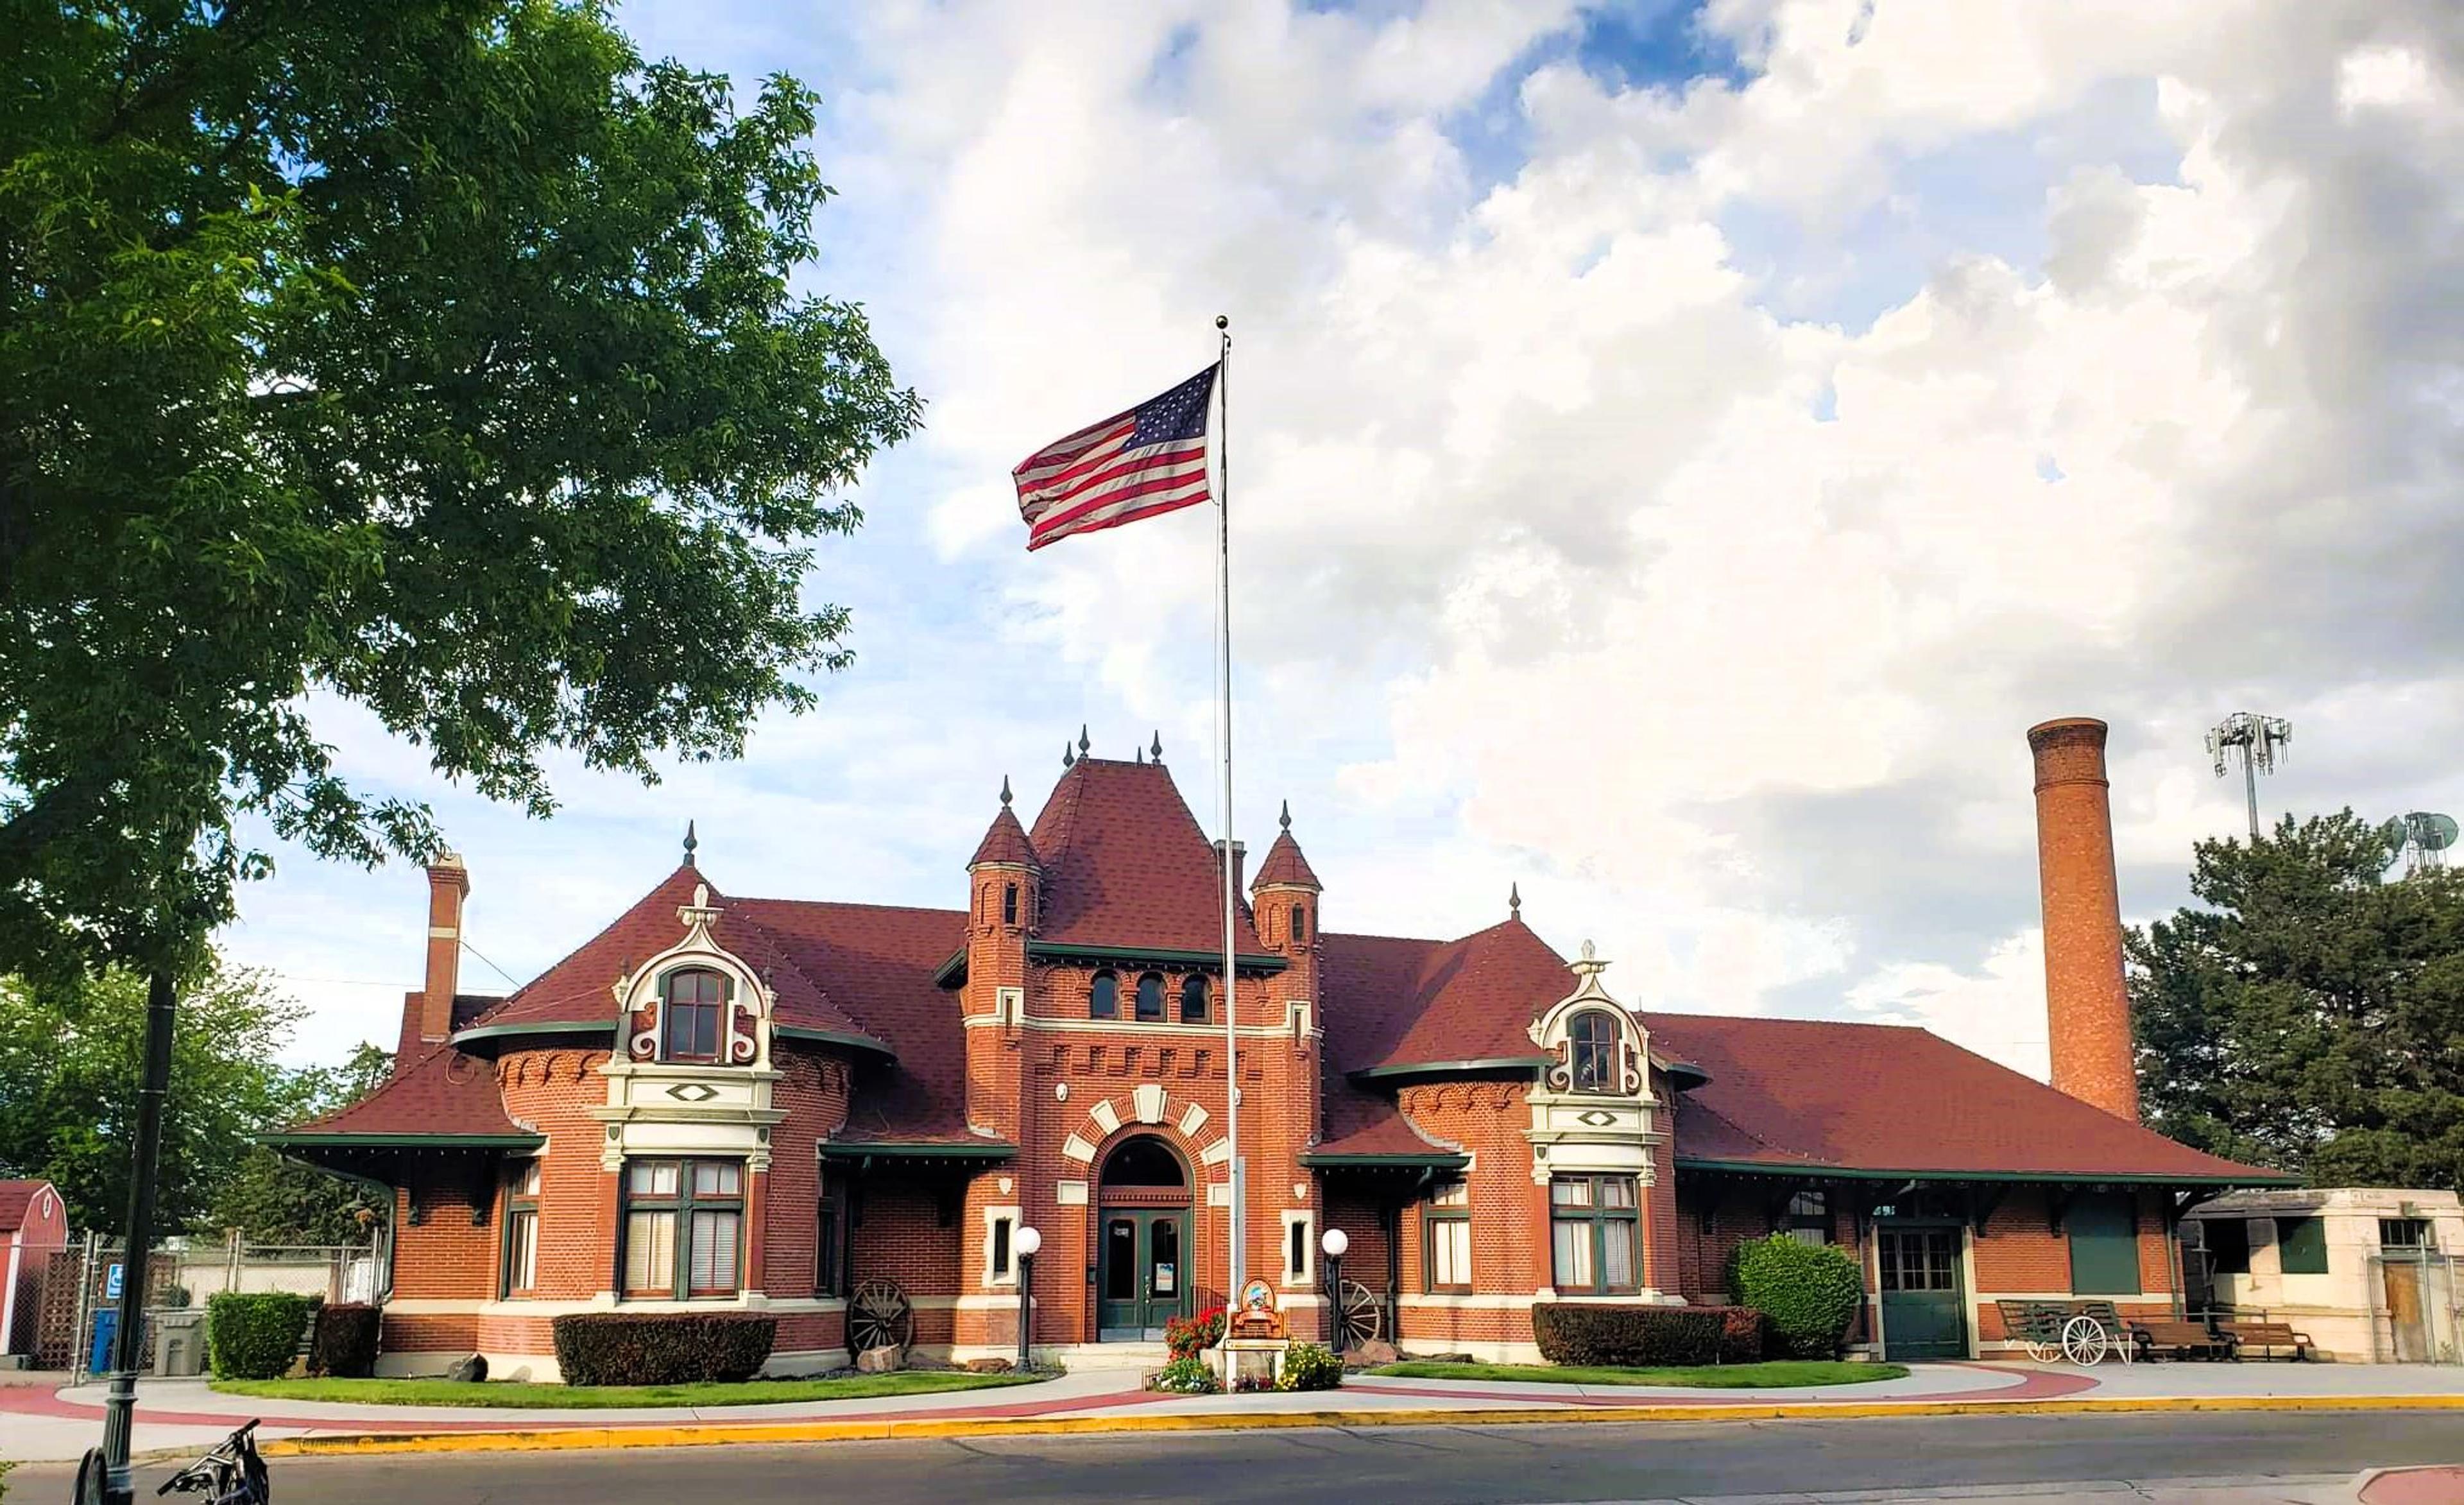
{"x":1151,"y":997}
{"x":692,"y":1009}
{"x":1591,"y":1042}
{"x":1104,"y":997}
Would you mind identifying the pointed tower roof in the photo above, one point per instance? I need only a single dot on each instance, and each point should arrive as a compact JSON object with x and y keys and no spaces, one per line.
{"x":1285,"y":865}
{"x":1125,"y":864}
{"x":1007,"y":840}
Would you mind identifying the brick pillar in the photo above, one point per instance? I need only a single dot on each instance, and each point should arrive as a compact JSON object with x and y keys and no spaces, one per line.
{"x":2087,"y":1007}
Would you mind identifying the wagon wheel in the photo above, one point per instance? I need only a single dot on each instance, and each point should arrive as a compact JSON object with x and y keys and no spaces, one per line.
{"x":879,"y":1316}
{"x":1364,"y":1316}
{"x":2083,"y":1340}
{"x":2044,"y":1353}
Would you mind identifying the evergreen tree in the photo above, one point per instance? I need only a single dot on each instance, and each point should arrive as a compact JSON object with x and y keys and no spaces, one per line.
{"x":2310,"y":1014}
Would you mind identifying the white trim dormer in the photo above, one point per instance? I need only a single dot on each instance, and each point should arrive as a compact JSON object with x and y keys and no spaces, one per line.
{"x":1595,"y":1114}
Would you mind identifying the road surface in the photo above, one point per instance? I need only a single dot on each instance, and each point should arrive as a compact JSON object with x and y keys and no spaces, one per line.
{"x":1427,"y":1466}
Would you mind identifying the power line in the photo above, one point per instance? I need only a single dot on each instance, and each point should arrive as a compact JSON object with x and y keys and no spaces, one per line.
{"x":492,"y":967}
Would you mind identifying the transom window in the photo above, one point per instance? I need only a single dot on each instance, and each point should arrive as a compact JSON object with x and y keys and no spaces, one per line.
{"x":1193,"y":999}
{"x":684,"y":1227}
{"x":1445,"y":1231}
{"x":1104,"y":997}
{"x":690,"y":1017}
{"x":1592,"y":1222}
{"x":522,"y":1227}
{"x":2405,"y":1234}
{"x":1591,"y":1042}
{"x":1151,"y":997}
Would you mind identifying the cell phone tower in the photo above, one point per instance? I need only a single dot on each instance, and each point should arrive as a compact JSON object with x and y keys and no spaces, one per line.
{"x":2256,"y":742}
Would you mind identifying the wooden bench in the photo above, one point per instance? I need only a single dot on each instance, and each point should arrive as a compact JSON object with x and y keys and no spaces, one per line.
{"x":2246,"y":1336}
{"x":2190,"y":1338}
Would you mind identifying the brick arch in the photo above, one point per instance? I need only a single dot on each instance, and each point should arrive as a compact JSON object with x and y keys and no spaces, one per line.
{"x":1149,"y":1108}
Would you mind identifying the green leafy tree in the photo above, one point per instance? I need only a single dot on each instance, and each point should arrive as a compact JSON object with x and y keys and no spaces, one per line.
{"x":2310,"y":1014}
{"x":442,"y":358}
{"x":272,"y":1200}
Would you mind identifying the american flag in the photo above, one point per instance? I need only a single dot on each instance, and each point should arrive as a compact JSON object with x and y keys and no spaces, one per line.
{"x":1132,"y":465}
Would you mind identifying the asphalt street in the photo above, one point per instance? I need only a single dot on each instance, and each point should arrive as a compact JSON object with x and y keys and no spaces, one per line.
{"x":1427,"y":1466}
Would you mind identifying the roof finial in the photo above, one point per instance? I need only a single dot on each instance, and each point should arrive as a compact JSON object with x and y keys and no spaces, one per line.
{"x":1083,"y":744}
{"x":693,"y":844}
{"x":1155,"y":750}
{"x":1285,"y":820}
{"x":1004,"y":791}
{"x":1139,"y":757}
{"x":1514,"y":901}
{"x":1068,"y":759}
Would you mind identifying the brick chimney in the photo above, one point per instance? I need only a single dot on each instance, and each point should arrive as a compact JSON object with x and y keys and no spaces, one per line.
{"x":2087,"y":1008}
{"x":448,"y":883}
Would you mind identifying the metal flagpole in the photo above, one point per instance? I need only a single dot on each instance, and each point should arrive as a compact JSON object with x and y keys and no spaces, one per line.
{"x":1223,"y":709}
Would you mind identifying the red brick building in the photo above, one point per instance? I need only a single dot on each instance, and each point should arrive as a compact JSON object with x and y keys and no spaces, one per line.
{"x":782,"y":1104}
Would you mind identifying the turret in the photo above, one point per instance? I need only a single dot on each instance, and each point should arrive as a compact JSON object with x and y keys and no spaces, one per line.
{"x":1005,"y":884}
{"x":1283,"y":898}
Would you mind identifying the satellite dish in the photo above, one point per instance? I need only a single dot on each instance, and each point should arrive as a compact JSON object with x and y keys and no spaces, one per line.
{"x":2435,"y":833}
{"x":2424,"y":833}
{"x":2397,"y":833}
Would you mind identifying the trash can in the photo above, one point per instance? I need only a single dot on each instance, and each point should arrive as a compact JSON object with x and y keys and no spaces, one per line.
{"x":178,"y":1343}
{"x":106,"y":1327}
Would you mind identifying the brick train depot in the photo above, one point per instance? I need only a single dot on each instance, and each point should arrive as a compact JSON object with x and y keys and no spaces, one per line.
{"x":771,"y":1103}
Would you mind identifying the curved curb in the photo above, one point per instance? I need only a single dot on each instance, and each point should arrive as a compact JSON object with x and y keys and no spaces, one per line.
{"x":566,"y":1438}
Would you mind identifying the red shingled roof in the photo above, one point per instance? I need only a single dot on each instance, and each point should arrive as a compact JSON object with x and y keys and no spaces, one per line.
{"x":1284,"y":864}
{"x":1783,"y":1092}
{"x":1125,"y":864}
{"x":1005,"y":841}
{"x":15,"y":1197}
{"x":434,"y":1090}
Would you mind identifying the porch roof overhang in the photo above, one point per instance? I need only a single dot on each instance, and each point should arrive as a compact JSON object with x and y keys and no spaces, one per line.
{"x":1405,"y":1161}
{"x":1807,"y":1171}
{"x":921,"y":1154}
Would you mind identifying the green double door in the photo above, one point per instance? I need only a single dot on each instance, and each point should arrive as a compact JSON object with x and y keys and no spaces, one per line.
{"x":1141,"y":1273}
{"x":1925,"y":1296}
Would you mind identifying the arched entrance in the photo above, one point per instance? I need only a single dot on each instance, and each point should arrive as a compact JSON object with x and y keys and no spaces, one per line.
{"x":1142,"y":1252}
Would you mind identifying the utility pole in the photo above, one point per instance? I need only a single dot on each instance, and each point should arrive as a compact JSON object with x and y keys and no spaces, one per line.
{"x":2256,"y":742}
{"x":129,"y":1342}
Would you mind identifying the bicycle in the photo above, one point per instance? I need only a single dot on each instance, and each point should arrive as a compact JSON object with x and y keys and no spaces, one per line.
{"x":231,"y":1475}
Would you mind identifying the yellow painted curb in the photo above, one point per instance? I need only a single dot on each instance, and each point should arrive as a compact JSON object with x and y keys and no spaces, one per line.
{"x":708,"y":1434}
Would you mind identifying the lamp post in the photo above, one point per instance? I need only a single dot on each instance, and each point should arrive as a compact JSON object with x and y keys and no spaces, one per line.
{"x":1335,"y":1242}
{"x":1028,"y":1241}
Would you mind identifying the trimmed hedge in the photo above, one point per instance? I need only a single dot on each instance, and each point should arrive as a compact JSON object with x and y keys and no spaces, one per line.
{"x":255,"y":1335}
{"x":1642,"y":1336}
{"x":343,"y":1343}
{"x":663,"y":1348}
{"x":1807,"y":1293}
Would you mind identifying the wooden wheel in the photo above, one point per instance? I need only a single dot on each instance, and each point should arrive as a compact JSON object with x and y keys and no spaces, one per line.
{"x":2083,"y":1340}
{"x":1364,"y":1316}
{"x":879,"y":1316}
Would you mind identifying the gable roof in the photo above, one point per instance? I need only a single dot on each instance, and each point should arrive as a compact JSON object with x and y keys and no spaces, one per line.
{"x":15,"y":1197}
{"x":1125,"y":864}
{"x":1783,"y":1095}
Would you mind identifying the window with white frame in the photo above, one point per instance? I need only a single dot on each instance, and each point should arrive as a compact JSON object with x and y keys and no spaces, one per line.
{"x":521,"y":1221}
{"x":1592,"y":1227}
{"x":1000,"y":1246}
{"x":684,"y":1227}
{"x":1300,"y":1248}
{"x":1445,"y":1236}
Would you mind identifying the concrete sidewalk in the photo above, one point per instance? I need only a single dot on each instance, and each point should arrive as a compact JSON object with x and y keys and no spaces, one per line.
{"x":187,"y":1415}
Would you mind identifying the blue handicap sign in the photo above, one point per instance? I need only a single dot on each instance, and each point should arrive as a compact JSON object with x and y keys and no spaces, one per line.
{"x":111,"y":1283}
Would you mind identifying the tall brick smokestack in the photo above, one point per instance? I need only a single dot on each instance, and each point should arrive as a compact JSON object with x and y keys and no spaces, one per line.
{"x":448,"y":883}
{"x":2087,"y":1007}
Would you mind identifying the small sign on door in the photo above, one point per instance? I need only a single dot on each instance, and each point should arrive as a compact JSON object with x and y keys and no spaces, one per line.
{"x":1164,"y":1285}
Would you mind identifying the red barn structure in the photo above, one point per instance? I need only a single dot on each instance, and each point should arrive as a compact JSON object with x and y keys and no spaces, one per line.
{"x":779,"y":1105}
{"x":34,"y":1224}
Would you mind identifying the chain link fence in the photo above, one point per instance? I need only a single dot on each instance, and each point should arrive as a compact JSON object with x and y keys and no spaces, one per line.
{"x":84,"y":1283}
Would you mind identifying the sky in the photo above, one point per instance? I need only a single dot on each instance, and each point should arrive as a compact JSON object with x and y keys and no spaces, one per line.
{"x":1677,"y":450}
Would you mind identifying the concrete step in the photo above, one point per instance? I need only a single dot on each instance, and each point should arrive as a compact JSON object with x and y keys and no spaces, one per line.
{"x":1080,"y":1358}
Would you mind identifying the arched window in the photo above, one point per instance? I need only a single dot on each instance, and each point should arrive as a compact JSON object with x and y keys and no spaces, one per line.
{"x":1193,"y":999}
{"x":1151,"y":997}
{"x":1104,"y":997}
{"x":1144,"y":1161}
{"x":1009,"y":903}
{"x":692,"y":1003}
{"x":1592,"y":1046}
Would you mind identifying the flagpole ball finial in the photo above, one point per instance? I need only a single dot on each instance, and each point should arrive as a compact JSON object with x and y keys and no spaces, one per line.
{"x":1222,"y":322}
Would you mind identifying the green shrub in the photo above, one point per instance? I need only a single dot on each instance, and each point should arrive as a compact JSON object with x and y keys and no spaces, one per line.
{"x":1743,"y":1334}
{"x":1189,"y":1376}
{"x":1307,"y":1366}
{"x":1807,"y":1293}
{"x":255,"y":1335}
{"x":1188,"y":1337}
{"x":344,"y":1342}
{"x":663,"y":1348}
{"x":1628,"y":1337}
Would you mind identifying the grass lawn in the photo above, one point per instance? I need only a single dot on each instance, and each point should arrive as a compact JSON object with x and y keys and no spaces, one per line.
{"x":603,"y":1397}
{"x":1774,"y":1374}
